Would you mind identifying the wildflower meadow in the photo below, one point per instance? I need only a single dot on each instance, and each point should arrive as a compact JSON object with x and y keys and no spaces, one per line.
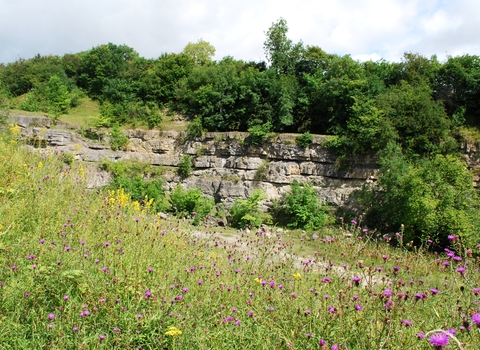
{"x":92,"y":269}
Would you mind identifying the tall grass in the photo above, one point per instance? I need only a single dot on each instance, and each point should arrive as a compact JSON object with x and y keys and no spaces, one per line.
{"x":92,"y":269}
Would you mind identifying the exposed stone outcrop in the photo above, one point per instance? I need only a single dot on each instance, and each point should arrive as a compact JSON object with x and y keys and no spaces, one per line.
{"x":225,"y":168}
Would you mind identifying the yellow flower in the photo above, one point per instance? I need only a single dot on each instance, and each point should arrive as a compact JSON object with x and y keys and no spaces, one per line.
{"x":40,"y":165}
{"x":257,"y":280}
{"x":173,"y":332}
{"x":136,"y":206}
{"x":297,"y":276}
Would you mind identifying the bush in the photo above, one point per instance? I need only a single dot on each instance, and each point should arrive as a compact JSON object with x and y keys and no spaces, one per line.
{"x":432,"y":198}
{"x":245,"y":213}
{"x":195,"y":129}
{"x":117,"y":138}
{"x":258,"y":134}
{"x":304,"y":140}
{"x":142,"y":190}
{"x":301,"y":208}
{"x":185,"y":167}
{"x":126,"y":175}
{"x":191,"y":202}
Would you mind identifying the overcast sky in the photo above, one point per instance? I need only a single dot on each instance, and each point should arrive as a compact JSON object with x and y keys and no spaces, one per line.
{"x":365,"y":29}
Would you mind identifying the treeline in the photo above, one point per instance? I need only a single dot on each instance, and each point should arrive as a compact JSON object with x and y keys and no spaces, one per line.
{"x":411,"y":111}
{"x":418,"y":101}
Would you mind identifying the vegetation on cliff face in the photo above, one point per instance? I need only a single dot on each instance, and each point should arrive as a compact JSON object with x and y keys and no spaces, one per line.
{"x":420,"y":105}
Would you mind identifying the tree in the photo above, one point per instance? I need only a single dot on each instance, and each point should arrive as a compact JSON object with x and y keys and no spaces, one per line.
{"x":432,"y":198}
{"x":282,"y":54}
{"x":57,"y":95}
{"x":201,"y":52}
{"x":420,"y":122}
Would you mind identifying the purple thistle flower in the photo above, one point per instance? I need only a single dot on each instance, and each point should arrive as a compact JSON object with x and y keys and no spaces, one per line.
{"x":421,"y":335}
{"x":476,"y":319}
{"x":358,"y":307}
{"x":102,"y":336}
{"x":439,"y":340}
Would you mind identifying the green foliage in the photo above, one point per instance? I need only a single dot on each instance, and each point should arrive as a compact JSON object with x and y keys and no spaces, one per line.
{"x":195,"y":129}
{"x":58,"y":96}
{"x":185,"y":167}
{"x":433,"y":198}
{"x":301,"y":208}
{"x":420,"y":123}
{"x":245,"y":213}
{"x":279,"y":50}
{"x":191,"y":202}
{"x":200,"y":52}
{"x":261,"y":173}
{"x":117,"y":138}
{"x":257,"y":134}
{"x":140,"y":180}
{"x":142,"y":190}
{"x":304,"y":140}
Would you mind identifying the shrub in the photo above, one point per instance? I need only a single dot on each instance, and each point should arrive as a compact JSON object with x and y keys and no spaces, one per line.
{"x":191,"y":202}
{"x":304,"y":140}
{"x":432,"y":198}
{"x":301,"y":208}
{"x":142,"y":190}
{"x":244,"y":212}
{"x":117,"y":138}
{"x":262,"y":171}
{"x":185,"y":167}
{"x":257,"y":134}
{"x":195,"y":129}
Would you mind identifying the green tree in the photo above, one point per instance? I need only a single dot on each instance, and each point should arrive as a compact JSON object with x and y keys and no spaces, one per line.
{"x":58,"y":96}
{"x":117,"y":138}
{"x":200,"y":52}
{"x":103,"y":63}
{"x":282,"y":54}
{"x":458,"y":86}
{"x":432,"y":198}
{"x":420,"y":123}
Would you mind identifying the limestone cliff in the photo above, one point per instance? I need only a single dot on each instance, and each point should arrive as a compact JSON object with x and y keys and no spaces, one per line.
{"x":225,"y":168}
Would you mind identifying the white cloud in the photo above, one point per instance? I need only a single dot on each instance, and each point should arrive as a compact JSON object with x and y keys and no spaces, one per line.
{"x":362,"y":28}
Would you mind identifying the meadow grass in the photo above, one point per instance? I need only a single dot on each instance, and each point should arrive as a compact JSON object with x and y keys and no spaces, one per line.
{"x":92,"y":269}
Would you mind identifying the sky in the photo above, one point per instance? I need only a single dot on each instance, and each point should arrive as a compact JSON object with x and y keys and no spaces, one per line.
{"x":364,"y":29}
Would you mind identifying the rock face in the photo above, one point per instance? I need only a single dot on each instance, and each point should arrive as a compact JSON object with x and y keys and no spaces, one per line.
{"x":225,"y":168}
